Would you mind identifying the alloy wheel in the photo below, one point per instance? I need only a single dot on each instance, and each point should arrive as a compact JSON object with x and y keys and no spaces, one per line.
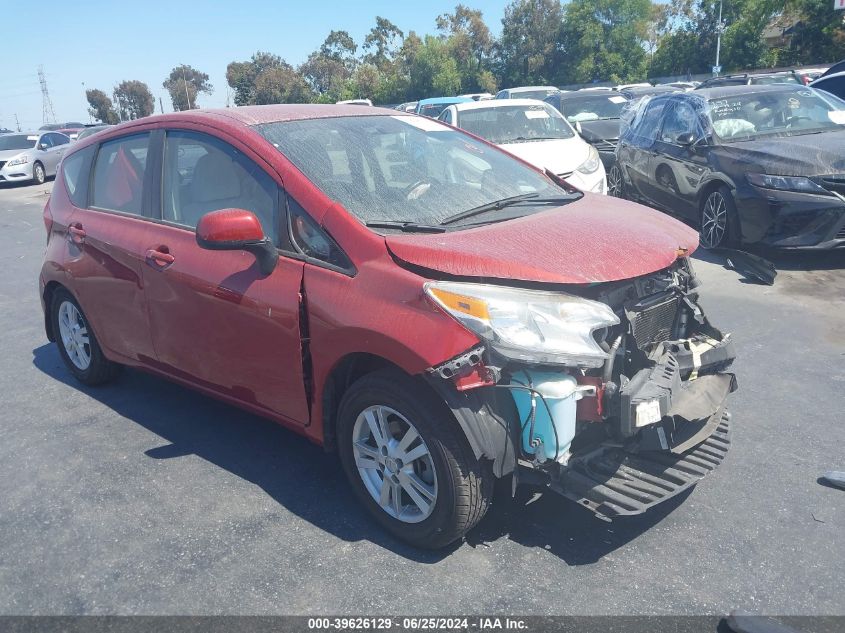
{"x":614,"y":182}
{"x":714,"y":220}
{"x":40,"y":175}
{"x":394,"y":463}
{"x":74,"y":333}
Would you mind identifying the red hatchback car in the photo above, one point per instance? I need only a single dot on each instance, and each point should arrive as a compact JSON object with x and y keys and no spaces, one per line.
{"x":438,"y":312}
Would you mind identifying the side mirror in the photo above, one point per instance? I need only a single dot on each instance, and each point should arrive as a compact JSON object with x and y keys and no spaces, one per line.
{"x":43,"y":147}
{"x":578,"y":127}
{"x":237,"y":230}
{"x":687,"y":139}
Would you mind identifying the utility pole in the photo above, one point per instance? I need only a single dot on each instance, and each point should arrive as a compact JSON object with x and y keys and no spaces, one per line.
{"x":719,"y":28}
{"x":90,"y":116}
{"x":185,"y":81}
{"x":47,"y":112}
{"x":17,"y":123}
{"x":161,"y":105}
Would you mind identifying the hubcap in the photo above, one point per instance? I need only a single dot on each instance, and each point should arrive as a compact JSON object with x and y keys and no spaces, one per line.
{"x":614,"y":182}
{"x":39,"y":173}
{"x":74,"y":333}
{"x":714,"y":220}
{"x":394,"y":463}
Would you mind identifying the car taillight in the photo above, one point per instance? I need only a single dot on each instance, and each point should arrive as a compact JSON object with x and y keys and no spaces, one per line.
{"x":48,"y":219}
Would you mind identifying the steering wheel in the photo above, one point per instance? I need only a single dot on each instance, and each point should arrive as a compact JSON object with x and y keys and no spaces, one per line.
{"x":794,"y":119}
{"x":416,"y":189}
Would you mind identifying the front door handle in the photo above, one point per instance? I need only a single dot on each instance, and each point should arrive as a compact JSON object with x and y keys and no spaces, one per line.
{"x":160,"y":258}
{"x":77,"y":233}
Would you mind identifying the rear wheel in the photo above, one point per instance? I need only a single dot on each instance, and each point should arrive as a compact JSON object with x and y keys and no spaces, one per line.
{"x":39,"y":176}
{"x":718,"y":219}
{"x":77,"y":344}
{"x":615,"y":183}
{"x":408,"y":461}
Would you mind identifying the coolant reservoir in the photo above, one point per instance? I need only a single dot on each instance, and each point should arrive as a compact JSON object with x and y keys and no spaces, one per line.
{"x":555,"y":426}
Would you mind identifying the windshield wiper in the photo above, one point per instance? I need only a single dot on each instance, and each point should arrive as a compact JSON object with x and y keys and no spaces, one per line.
{"x":406,"y":227}
{"x":527,"y":198}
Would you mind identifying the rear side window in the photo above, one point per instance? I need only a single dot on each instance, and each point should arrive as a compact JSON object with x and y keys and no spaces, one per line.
{"x":119,"y":174}
{"x":75,"y":170}
{"x":203,"y":174}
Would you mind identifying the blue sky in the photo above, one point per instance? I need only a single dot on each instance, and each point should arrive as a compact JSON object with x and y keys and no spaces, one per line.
{"x":101,"y":43}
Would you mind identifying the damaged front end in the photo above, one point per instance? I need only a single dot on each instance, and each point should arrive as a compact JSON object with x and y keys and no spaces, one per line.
{"x":614,"y":397}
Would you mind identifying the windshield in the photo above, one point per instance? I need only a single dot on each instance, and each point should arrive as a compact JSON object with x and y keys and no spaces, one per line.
{"x":593,"y":108}
{"x":405,"y":168}
{"x":17,"y":141}
{"x":532,"y":94}
{"x":750,"y":115}
{"x":515,"y":124}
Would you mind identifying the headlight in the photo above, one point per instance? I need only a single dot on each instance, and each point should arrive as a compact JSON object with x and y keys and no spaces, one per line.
{"x":528,"y":325}
{"x":20,"y":160}
{"x":592,"y":163}
{"x":786,"y":183}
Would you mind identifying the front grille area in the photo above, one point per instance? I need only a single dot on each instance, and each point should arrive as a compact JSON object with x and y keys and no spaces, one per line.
{"x":840,"y":235}
{"x":652,"y":321}
{"x":607,"y":145}
{"x":834,"y":182}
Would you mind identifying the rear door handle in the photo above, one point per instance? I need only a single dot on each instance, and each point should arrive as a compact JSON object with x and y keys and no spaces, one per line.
{"x":159,"y":258}
{"x":77,"y":233}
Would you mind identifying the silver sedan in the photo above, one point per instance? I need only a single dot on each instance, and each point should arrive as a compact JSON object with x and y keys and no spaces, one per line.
{"x":34,"y":156}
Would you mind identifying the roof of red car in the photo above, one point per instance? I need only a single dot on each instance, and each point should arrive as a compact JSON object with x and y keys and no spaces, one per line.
{"x":255,"y":115}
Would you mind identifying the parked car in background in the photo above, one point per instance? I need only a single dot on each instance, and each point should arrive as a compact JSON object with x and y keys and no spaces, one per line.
{"x":477,"y":96}
{"x":5,"y":131}
{"x":535,"y":132}
{"x":756,"y":79}
{"x":399,"y":292}
{"x":527,"y":92}
{"x":832,"y":80}
{"x":365,"y":102}
{"x":70,"y":129}
{"x":686,"y":86}
{"x":91,"y":129}
{"x":747,"y":164}
{"x":434,"y":106}
{"x":808,"y":75}
{"x":635,"y":93}
{"x":32,"y":156}
{"x":409,"y":106}
{"x":596,"y":116}
{"x":621,"y":87}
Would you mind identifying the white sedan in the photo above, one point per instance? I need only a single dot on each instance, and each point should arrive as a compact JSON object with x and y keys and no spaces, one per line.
{"x":535,"y":132}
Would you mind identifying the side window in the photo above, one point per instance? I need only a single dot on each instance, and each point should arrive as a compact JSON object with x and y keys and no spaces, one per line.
{"x":679,"y":120}
{"x":75,"y":170}
{"x":204,"y":174}
{"x":647,"y":128}
{"x":119,"y":174}
{"x":45,"y":142}
{"x":59,"y":139}
{"x":446,"y":117}
{"x":312,"y":241}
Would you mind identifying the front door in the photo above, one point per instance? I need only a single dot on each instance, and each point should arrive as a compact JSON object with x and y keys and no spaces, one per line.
{"x":216,"y":320}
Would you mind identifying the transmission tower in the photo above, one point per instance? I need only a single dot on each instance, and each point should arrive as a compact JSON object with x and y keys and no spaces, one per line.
{"x":47,"y":113}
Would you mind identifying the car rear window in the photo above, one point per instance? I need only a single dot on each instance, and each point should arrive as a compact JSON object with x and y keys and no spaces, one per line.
{"x":119,"y":174}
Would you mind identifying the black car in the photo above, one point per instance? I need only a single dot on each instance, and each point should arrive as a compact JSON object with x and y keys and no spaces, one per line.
{"x":757,"y":79}
{"x":635,"y":93}
{"x":832,"y":80}
{"x":747,"y":164}
{"x":595,"y":114}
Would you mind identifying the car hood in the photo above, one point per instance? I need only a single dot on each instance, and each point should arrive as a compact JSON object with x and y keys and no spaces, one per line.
{"x":592,"y":240}
{"x":9,"y":154}
{"x":807,"y":155}
{"x":607,"y":129}
{"x":560,"y":156}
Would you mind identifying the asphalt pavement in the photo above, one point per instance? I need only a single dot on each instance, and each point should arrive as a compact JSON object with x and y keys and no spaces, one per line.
{"x":143,"y":497}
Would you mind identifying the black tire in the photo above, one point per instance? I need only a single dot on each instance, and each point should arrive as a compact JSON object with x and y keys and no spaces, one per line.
{"x":724,"y":229}
{"x":614,"y":175}
{"x":464,"y":484}
{"x":39,"y":174}
{"x":101,"y":369}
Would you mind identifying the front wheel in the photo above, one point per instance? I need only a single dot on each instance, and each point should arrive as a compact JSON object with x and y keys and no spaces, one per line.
{"x":408,"y":462}
{"x":39,"y":176}
{"x":615,"y":183}
{"x":718,"y":219}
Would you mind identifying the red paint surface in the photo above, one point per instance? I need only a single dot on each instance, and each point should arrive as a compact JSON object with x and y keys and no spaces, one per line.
{"x":230,"y":225}
{"x":595,"y":239}
{"x":211,"y":320}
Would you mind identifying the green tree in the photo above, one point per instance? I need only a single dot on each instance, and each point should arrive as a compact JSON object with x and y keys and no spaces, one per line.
{"x":819,"y":36}
{"x":470,"y":45}
{"x":330,"y":68}
{"x":605,"y":40}
{"x":242,"y":76}
{"x":184,"y":84}
{"x":529,"y":51}
{"x":101,"y":107}
{"x":432,"y":70}
{"x":282,"y":84}
{"x":382,"y":43}
{"x":134,"y":100}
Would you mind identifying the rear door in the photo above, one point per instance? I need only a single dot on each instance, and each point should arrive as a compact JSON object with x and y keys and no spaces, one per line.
{"x":639,"y":147}
{"x":216,"y":320}
{"x":106,"y":234}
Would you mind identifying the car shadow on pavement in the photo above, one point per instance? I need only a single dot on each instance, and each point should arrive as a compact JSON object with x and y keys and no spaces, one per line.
{"x":795,"y":260}
{"x":295,"y":472}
